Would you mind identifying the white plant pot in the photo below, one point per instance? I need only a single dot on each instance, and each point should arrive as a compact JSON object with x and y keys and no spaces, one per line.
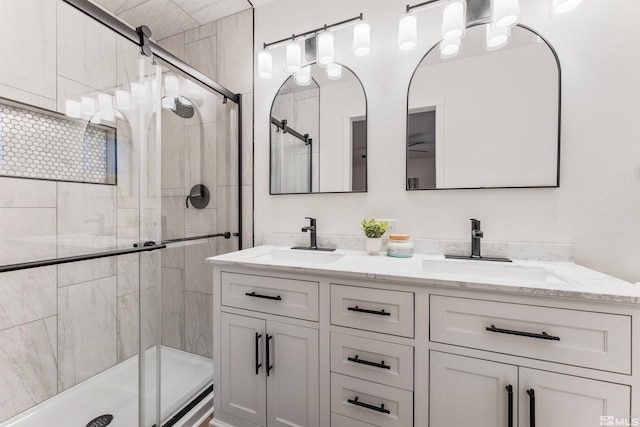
{"x":374,"y":244}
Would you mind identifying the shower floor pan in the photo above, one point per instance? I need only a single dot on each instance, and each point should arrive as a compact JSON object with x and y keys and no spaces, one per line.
{"x":115,"y":392}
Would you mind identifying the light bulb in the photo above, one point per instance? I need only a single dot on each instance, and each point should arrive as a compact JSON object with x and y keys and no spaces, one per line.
{"x":88,"y":106}
{"x":407,"y":32}
{"x":303,"y":77}
{"x":334,"y":71}
{"x":454,"y":21}
{"x":123,"y":100}
{"x":505,"y":13}
{"x":168,"y":103}
{"x":325,"y":48}
{"x":564,"y":6}
{"x":171,"y":86}
{"x":73,"y":109}
{"x":450,"y":48}
{"x":265,"y":65}
{"x":496,"y":37}
{"x":361,"y":39}
{"x":294,"y":57}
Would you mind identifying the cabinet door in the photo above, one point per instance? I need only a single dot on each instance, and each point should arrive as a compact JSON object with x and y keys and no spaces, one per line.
{"x":292,"y":382}
{"x":567,"y":401}
{"x":242,"y":384}
{"x":468,"y":392}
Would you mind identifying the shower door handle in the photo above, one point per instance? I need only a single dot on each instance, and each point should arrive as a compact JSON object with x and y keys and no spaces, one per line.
{"x":258,"y":364}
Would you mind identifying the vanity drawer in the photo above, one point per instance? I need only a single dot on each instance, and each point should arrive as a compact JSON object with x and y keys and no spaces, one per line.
{"x":364,"y":400}
{"x":581,"y":338}
{"x":283,"y":297}
{"x":389,"y":312}
{"x":372,"y":360}
{"x":338,"y":420}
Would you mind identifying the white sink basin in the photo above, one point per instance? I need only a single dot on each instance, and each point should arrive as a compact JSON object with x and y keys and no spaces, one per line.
{"x":296,"y":256}
{"x":478,"y":271}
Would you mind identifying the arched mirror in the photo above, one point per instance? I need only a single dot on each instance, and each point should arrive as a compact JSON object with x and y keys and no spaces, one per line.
{"x":485,"y":118}
{"x":319,"y":133}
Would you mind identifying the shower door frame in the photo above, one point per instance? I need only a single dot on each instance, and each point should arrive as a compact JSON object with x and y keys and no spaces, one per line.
{"x":124,"y":30}
{"x":130,"y":33}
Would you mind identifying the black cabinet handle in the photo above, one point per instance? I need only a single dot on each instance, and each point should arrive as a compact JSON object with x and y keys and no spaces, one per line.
{"x":362,"y":310}
{"x":269,"y":365}
{"x":542,"y":336}
{"x":258,"y":365}
{"x":510,"y":405}
{"x":366,"y":362}
{"x":366,"y":405}
{"x":532,"y":407}
{"x":254,"y":295}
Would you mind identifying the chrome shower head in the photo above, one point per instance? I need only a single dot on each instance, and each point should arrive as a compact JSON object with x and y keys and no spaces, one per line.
{"x":180,"y":106}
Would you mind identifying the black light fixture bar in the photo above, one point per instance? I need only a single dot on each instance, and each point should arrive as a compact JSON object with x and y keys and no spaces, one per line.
{"x":317,"y":30}
{"x":416,"y":6}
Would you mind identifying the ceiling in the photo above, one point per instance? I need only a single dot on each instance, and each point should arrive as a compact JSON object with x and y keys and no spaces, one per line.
{"x":169,"y":17}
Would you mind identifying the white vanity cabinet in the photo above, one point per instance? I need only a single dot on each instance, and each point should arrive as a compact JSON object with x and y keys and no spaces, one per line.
{"x":267,"y":373}
{"x":353,"y":349}
{"x":502,"y":395}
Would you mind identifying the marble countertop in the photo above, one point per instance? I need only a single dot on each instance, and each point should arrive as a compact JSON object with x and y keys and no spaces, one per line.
{"x":542,"y":278}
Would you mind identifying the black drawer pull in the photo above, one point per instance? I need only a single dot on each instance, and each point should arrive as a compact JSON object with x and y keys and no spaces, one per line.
{"x":542,"y":336}
{"x":254,"y":295}
{"x":532,"y":407}
{"x":269,"y":360}
{"x":362,"y":310}
{"x":258,"y":364}
{"x":366,"y":405}
{"x":366,"y":362}
{"x":510,"y":405}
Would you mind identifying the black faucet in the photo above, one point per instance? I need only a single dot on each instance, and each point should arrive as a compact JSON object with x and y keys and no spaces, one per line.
{"x":313,"y":246}
{"x":476,"y":235}
{"x":312,"y":229}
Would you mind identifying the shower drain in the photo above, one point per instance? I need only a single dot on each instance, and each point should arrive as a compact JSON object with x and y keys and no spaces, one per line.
{"x":101,"y":421}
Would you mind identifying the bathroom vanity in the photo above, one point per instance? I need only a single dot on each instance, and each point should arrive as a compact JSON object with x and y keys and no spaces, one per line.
{"x":344,"y":339}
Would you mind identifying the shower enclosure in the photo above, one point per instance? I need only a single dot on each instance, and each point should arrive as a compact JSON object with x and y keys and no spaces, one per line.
{"x":111,"y":198}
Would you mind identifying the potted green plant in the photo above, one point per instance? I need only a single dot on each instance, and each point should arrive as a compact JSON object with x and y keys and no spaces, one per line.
{"x":374,"y":230}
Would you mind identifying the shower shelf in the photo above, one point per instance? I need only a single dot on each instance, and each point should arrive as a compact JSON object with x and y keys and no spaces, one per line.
{"x":65,"y":260}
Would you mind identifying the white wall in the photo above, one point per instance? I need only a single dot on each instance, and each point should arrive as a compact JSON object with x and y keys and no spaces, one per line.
{"x":597,"y":207}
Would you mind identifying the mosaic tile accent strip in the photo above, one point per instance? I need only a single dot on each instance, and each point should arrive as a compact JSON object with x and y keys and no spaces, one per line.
{"x":44,"y":145}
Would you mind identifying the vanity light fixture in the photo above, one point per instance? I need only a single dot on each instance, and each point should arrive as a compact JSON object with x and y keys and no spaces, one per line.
{"x":123,"y":100}
{"x":88,"y":106}
{"x":505,"y":13}
{"x":361,"y":39}
{"x":303,"y":77}
{"x":564,"y":6}
{"x":73,"y":109}
{"x":293,"y":57}
{"x":408,"y":32}
{"x":454,"y":20}
{"x":326,"y":51}
{"x":324,"y":45}
{"x":265,"y":65}
{"x":495,"y":38}
{"x":334,"y":71}
{"x":171,"y":86}
{"x":450,"y":48}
